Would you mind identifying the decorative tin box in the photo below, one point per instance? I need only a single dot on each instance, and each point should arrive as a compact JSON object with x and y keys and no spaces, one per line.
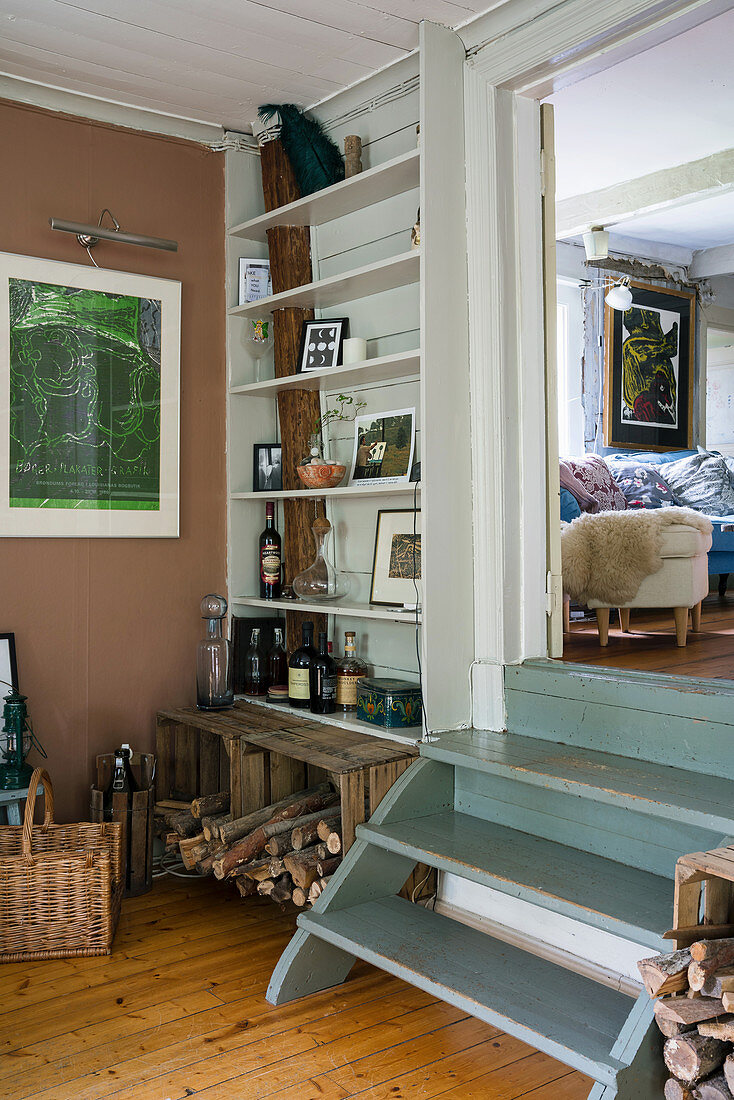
{"x":392,"y":704}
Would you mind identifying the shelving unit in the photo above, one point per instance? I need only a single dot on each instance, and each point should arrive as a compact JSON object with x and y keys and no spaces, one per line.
{"x":411,"y":307}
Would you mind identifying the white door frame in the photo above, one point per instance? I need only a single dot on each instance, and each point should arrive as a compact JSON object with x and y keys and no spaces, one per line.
{"x":518,"y":52}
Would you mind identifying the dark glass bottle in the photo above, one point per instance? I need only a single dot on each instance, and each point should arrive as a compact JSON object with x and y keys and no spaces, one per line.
{"x":256,"y":666}
{"x":270,"y":557}
{"x":322,"y":674}
{"x":278,"y":661}
{"x":122,"y":782}
{"x":299,"y":684}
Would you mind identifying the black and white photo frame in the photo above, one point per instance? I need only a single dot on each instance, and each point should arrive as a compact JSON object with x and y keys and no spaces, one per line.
{"x":322,"y":344}
{"x":267,"y":468}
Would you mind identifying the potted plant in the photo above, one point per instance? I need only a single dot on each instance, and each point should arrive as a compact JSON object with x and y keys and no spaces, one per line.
{"x":316,"y":470}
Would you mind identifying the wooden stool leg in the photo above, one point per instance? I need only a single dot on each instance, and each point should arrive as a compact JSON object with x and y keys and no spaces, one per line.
{"x":566,"y":614}
{"x":681,"y":624}
{"x":696,"y":617}
{"x":624,"y":619}
{"x":602,"y":622}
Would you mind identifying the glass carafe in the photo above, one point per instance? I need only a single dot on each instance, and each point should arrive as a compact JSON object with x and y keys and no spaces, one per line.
{"x":322,"y":580}
{"x":214,"y":659}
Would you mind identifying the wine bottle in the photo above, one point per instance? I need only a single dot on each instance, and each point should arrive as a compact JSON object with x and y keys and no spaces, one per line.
{"x":270,"y":557}
{"x":256,"y":666}
{"x":299,"y":685}
{"x":322,"y":675}
{"x":278,"y":661}
{"x":349,"y":671}
{"x":122,"y":782}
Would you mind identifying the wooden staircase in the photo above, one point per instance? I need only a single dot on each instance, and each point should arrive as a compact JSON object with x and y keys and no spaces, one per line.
{"x":590,"y":835}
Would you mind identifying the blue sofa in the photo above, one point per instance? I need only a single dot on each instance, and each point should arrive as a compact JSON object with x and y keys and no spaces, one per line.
{"x":721,"y":554}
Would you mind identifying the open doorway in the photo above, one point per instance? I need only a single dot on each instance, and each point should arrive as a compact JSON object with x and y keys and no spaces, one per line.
{"x":646,"y":384}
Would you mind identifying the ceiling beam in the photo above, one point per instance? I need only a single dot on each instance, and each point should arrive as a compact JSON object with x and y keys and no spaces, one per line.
{"x":669,"y":187}
{"x":712,"y":261}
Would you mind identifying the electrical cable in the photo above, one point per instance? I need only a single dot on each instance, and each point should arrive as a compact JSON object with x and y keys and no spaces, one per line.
{"x":417,"y":611}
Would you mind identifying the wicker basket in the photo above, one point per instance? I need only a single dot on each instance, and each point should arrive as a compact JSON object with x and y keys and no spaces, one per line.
{"x":60,"y":885}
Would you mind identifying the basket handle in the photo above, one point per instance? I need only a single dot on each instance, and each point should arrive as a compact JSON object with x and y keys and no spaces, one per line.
{"x":40,"y":775}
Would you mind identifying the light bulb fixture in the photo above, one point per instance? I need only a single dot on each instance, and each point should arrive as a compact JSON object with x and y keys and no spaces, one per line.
{"x":90,"y":235}
{"x":596,"y":243}
{"x":620,"y":296}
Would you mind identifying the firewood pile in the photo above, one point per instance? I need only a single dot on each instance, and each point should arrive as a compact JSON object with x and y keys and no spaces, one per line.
{"x":693,"y":990}
{"x":287,"y":851}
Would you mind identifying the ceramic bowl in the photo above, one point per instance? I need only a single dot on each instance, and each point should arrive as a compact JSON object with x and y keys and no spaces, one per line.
{"x":321,"y":475}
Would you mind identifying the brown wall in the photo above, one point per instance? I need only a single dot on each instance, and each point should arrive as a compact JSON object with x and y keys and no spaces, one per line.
{"x":106,"y":629}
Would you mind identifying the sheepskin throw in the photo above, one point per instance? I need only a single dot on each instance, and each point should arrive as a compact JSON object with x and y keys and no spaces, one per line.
{"x":607,"y":556}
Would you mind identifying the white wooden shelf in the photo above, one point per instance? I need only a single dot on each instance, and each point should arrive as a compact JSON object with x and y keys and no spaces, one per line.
{"x":384,"y":368}
{"x":346,"y":608}
{"x":410,"y":737}
{"x":361,"y":282}
{"x":376,"y":184}
{"x":318,"y":494}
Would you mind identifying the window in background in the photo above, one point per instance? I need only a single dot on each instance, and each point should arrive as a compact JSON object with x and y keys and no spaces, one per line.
{"x":720,"y":390}
{"x":570,"y":326}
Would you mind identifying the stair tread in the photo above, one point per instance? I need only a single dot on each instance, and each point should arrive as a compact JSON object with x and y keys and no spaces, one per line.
{"x":608,"y":894}
{"x":563,"y":1013}
{"x":699,"y":799}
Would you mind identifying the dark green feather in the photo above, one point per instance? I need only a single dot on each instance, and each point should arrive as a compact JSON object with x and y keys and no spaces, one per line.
{"x":316,"y":160}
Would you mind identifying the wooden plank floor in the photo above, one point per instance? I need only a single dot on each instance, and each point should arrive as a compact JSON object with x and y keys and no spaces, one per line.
{"x":650,"y":645}
{"x":179,"y":1010}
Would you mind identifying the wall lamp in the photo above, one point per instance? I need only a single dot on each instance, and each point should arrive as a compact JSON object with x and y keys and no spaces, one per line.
{"x":90,"y":235}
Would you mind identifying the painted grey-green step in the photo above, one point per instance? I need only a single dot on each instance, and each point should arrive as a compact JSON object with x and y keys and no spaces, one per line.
{"x":564,"y":1014}
{"x":599,"y":892}
{"x":706,"y":801}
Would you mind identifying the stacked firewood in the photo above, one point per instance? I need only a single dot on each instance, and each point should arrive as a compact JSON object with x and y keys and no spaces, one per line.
{"x":286,"y":851}
{"x":694,"y":1009}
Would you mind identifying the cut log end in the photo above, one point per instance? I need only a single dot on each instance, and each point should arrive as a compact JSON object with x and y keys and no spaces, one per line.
{"x":693,"y":1057}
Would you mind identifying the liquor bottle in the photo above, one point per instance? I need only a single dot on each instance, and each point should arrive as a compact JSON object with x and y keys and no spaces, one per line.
{"x":349,"y":671}
{"x":299,"y":685}
{"x":256,"y":666}
{"x":122,"y":782}
{"x":270,"y":557}
{"x":322,"y":674}
{"x":278,"y":669}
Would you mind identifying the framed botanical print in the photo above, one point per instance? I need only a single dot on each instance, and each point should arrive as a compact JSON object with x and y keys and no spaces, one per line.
{"x":89,"y":401}
{"x":396,"y":565}
{"x":648,"y":370}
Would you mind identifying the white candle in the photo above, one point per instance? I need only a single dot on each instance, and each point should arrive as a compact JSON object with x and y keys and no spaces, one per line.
{"x":355,"y":350}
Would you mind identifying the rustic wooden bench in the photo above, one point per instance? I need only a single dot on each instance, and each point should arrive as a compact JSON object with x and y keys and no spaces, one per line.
{"x":261,"y":756}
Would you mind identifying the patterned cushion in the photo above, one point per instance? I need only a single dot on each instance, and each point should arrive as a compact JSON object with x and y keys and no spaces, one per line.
{"x":643,"y":485}
{"x":597,"y":481}
{"x":703,"y":482}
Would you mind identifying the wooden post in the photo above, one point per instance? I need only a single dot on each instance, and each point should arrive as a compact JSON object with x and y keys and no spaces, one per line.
{"x":298,"y":410}
{"x":352,"y":155}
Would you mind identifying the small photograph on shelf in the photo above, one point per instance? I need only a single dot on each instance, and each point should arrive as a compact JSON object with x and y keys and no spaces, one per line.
{"x":8,"y":665}
{"x":267,"y":467}
{"x":384,"y":444}
{"x":255,"y":280}
{"x":322,"y":344}
{"x":396,"y":566}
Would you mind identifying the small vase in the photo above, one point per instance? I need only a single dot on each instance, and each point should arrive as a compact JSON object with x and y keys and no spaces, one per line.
{"x":322,"y":580}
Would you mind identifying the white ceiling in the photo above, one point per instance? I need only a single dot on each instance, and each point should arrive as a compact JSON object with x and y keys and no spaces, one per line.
{"x":213,"y":62}
{"x":672,"y":104}
{"x":696,"y":225}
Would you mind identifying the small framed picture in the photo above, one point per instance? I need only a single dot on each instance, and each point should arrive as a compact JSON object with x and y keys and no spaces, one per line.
{"x":396,"y":565}
{"x":384,"y":448}
{"x":8,"y":664}
{"x":255,"y":281}
{"x":267,"y":468}
{"x":322,"y":344}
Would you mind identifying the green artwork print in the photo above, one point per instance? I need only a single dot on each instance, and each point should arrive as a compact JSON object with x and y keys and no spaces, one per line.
{"x":85,"y":398}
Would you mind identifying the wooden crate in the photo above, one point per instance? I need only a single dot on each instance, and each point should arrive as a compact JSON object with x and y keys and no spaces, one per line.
{"x":136,"y":820}
{"x":261,"y":756}
{"x":704,"y":895}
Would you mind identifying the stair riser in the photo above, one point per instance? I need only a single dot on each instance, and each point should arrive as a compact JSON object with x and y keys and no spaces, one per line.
{"x":614,"y":832}
{"x":627,"y":713}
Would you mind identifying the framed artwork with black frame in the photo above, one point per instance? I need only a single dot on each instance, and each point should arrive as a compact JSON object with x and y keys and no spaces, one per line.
{"x":267,"y":468}
{"x":322,"y":344}
{"x":8,"y":664}
{"x":396,"y":563}
{"x":648,"y":370}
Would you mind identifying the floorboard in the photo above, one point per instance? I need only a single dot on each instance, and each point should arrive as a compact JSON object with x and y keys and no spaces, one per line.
{"x":179,"y":1010}
{"x":651,"y":647}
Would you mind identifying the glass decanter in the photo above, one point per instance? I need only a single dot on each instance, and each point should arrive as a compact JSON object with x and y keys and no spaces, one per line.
{"x":214,"y":659}
{"x":322,"y":580}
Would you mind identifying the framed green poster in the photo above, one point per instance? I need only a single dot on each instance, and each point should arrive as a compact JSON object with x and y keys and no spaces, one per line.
{"x":89,"y":401}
